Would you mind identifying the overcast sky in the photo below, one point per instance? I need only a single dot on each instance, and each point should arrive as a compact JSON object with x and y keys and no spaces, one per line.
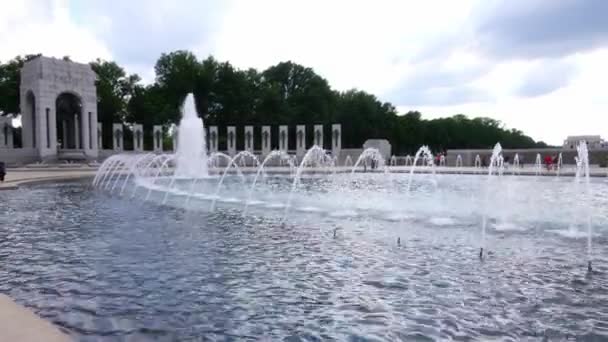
{"x":537,"y":65}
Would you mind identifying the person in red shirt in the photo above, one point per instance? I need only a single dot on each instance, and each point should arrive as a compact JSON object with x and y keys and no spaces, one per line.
{"x":549,"y":162}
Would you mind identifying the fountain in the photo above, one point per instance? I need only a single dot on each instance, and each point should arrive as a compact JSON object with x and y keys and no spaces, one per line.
{"x":459,"y":161}
{"x":425,"y":152}
{"x":494,"y":161}
{"x":442,"y":160}
{"x":348,"y":162}
{"x":318,"y":185}
{"x":477,"y":162}
{"x":408,"y":160}
{"x":191,"y":155}
{"x":582,"y":172}
{"x":538,"y":165}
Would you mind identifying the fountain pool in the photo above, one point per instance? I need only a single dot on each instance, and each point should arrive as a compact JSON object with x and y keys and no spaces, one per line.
{"x":305,"y":249}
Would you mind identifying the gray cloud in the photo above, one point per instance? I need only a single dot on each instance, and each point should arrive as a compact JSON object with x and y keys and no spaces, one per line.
{"x":439,"y":96}
{"x":541,"y":28}
{"x":138,"y":31}
{"x":546,"y":78}
{"x":432,"y":85}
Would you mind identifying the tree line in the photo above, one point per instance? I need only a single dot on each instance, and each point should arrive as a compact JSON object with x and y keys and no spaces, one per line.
{"x":284,"y":94}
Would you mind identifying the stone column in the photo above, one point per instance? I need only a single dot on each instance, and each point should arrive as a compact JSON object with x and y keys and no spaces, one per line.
{"x":300,"y":140}
{"x":318,"y":136}
{"x":9,"y":136}
{"x":283,"y":138}
{"x":336,"y":139}
{"x":231,"y":142}
{"x":213,"y":139}
{"x":3,"y":131}
{"x":85,"y":142}
{"x":266,"y":140}
{"x":99,"y":135}
{"x":249,"y":138}
{"x":93,"y":137}
{"x":138,"y":137}
{"x":157,"y":134}
{"x":76,"y":132}
{"x":6,"y":132}
{"x":117,"y":137}
{"x":64,"y":134}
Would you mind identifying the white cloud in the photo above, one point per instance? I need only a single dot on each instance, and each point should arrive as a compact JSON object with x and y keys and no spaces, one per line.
{"x":46,"y":27}
{"x":423,"y":55}
{"x":354,"y":44}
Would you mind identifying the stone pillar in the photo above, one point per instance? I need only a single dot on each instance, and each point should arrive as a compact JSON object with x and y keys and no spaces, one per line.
{"x":117,"y":137}
{"x":77,"y":132}
{"x":85,"y":143}
{"x":300,"y":140}
{"x":174,"y":138}
{"x":213,"y":139}
{"x":3,"y":130}
{"x":157,"y":134}
{"x":85,"y":129}
{"x":99,"y":135}
{"x":6,"y":132}
{"x":318,"y":135}
{"x":93,"y":135}
{"x":336,"y":139}
{"x":249,"y":138}
{"x":64,"y":141}
{"x":138,"y":137}
{"x":8,"y":138}
{"x":231,"y":141}
{"x":266,"y":140}
{"x":283,"y":138}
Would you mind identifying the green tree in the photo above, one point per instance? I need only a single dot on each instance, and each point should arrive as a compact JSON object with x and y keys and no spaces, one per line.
{"x":114,"y":89}
{"x":10,"y":79}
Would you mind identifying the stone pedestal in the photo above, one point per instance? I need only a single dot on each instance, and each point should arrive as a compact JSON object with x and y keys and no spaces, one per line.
{"x":117,"y":137}
{"x":138,"y":137}
{"x":213,"y":139}
{"x":157,"y":134}
{"x":300,"y":140}
{"x":283,"y":138}
{"x":249,"y":138}
{"x":266,"y":140}
{"x":336,"y":139}
{"x":231,"y":140}
{"x":318,"y":135}
{"x":6,"y":132}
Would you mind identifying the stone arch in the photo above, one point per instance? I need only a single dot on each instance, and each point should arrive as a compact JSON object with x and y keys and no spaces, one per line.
{"x":30,"y":115}
{"x":68,"y":109}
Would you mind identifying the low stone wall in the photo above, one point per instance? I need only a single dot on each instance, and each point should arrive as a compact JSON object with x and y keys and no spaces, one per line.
{"x":18,"y":156}
{"x":526,"y":156}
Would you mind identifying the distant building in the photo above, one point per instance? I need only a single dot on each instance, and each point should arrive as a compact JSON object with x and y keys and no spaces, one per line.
{"x":593,"y":141}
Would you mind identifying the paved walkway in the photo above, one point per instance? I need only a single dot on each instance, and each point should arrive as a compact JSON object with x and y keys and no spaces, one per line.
{"x":21,"y":325}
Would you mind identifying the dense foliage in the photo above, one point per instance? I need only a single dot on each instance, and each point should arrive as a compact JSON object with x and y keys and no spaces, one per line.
{"x":286,"y":93}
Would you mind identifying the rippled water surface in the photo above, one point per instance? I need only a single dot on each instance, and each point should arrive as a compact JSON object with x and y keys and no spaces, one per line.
{"x":106,"y":267}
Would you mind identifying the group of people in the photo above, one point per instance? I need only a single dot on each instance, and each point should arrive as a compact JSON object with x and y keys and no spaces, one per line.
{"x":551,"y":162}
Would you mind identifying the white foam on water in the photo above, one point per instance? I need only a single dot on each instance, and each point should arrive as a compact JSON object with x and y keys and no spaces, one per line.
{"x":509,"y":226}
{"x":442,"y":221}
